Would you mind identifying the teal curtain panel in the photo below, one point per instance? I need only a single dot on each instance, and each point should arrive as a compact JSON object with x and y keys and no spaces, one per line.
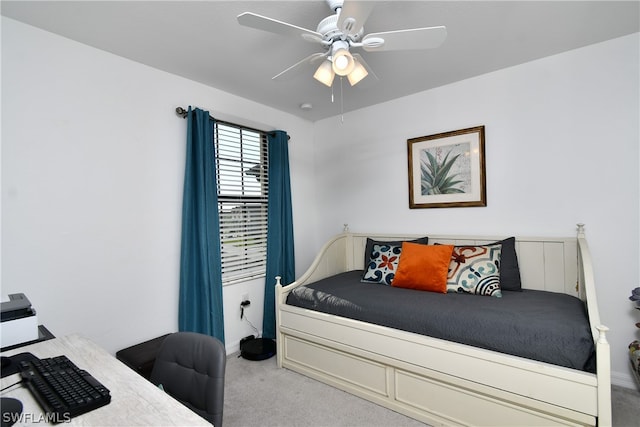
{"x":200,"y":301}
{"x":280,"y":248}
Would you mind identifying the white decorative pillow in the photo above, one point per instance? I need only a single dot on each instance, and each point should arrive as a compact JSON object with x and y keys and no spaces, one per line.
{"x":383,"y":264}
{"x":475,"y":270}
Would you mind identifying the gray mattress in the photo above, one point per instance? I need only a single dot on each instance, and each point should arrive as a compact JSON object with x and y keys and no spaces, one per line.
{"x":543,"y":326}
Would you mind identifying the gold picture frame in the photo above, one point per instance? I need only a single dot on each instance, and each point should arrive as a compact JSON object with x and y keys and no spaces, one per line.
{"x":447,"y":170}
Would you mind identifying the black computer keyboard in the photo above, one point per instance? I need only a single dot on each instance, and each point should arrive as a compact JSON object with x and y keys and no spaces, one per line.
{"x":63,"y":390}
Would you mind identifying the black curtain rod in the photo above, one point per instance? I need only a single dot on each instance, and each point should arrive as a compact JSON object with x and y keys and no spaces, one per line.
{"x":183,"y":113}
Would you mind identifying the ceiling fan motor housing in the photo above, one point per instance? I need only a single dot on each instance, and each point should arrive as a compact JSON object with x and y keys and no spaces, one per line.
{"x":328,"y":27}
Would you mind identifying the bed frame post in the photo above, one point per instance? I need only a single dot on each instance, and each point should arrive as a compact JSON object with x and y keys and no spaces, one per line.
{"x":603,"y":356}
{"x":279,"y":340}
{"x":603,"y":367}
{"x":348,"y":248}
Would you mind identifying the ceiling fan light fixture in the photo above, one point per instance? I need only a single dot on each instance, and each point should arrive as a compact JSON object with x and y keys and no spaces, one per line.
{"x":324,"y":74}
{"x":359,"y":72}
{"x":343,"y":62}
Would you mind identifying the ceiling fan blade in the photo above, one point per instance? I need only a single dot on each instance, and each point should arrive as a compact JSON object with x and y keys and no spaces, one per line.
{"x":416,"y":38}
{"x":315,"y":57}
{"x":263,"y":23}
{"x":353,"y":16}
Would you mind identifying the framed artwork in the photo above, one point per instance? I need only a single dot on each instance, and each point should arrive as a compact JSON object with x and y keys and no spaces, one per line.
{"x":447,"y":170}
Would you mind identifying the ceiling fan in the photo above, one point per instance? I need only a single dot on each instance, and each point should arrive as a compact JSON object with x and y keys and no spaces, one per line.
{"x":339,"y":34}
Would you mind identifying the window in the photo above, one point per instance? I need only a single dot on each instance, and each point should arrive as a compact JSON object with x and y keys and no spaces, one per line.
{"x":243,"y":188}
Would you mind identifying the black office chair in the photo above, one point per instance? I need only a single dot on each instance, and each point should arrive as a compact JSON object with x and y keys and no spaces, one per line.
{"x":190,"y":367}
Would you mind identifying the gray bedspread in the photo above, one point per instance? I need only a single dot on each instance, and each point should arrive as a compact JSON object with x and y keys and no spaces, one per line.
{"x":543,"y":326}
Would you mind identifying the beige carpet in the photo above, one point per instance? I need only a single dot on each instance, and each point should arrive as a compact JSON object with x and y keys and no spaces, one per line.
{"x":260,"y":394}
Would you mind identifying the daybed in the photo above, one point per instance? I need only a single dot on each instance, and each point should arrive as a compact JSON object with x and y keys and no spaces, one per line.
{"x":442,"y":382}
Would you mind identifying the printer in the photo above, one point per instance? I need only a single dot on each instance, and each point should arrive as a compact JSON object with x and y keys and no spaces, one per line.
{"x":19,"y":321}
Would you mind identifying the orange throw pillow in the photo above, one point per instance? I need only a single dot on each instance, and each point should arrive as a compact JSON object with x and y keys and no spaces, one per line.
{"x":423,"y":267}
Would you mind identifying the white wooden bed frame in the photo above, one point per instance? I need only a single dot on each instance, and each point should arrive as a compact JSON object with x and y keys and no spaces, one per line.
{"x":441,"y":382}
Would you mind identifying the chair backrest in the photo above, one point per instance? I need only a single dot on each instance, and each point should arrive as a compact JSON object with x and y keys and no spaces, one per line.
{"x":190,"y":367}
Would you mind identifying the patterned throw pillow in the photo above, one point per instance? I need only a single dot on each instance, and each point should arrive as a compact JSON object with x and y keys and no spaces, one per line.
{"x":368,"y":249}
{"x":383,"y":264}
{"x":475,"y":270}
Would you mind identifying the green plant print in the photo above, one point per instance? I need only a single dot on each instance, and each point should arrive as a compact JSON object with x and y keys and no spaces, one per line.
{"x":436,"y":176}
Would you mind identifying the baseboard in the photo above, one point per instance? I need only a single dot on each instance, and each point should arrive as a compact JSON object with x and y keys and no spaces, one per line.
{"x":623,"y":379}
{"x":232,"y":348}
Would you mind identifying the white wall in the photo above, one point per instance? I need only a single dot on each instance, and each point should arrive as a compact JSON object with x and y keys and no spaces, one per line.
{"x":92,"y":172}
{"x":93,"y":157}
{"x":562,"y":136}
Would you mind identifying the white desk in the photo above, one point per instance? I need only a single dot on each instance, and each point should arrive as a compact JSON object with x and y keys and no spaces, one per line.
{"x":134,"y":400}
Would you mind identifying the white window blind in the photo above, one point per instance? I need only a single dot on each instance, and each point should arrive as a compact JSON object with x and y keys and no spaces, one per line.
{"x":243,"y":188}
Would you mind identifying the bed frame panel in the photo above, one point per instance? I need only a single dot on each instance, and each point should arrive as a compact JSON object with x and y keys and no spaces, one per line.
{"x":440,"y":382}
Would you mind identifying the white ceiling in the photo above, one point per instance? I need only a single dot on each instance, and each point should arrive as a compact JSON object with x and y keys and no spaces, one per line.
{"x":202,"y":41}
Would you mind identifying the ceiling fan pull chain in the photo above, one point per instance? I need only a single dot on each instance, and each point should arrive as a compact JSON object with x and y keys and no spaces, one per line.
{"x":341,"y":102}
{"x":332,"y":94}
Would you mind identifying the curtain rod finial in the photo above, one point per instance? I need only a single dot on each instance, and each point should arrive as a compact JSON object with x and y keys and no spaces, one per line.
{"x":181,"y":112}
